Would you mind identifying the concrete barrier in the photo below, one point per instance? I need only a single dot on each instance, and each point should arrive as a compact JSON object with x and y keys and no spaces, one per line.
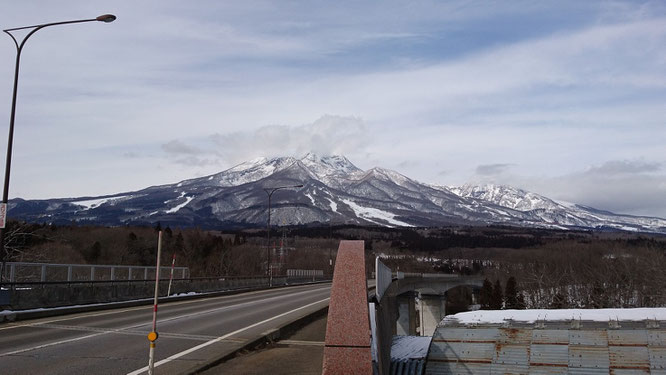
{"x":47,"y":295}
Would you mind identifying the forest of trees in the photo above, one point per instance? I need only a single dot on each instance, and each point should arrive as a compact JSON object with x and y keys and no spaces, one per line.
{"x":546,"y":268}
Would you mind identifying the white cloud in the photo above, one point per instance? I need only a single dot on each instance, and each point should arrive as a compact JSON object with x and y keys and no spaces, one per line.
{"x":327,"y":135}
{"x":447,"y":86}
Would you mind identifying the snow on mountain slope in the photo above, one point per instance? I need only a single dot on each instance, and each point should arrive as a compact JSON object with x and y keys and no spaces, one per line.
{"x":333,"y":190}
{"x":542,"y":209}
{"x":506,"y":196}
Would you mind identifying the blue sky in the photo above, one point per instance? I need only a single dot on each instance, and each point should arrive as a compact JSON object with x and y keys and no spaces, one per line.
{"x":561,"y":98}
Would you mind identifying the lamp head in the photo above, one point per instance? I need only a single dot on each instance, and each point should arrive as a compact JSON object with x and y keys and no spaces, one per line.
{"x":106,"y":18}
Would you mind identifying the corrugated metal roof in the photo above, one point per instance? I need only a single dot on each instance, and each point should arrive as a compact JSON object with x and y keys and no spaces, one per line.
{"x":587,"y":347}
{"x":657,"y":337}
{"x":657,"y":359}
{"x":407,"y":367}
{"x":549,"y":355}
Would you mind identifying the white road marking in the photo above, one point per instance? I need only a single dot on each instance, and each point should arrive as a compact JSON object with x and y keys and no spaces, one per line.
{"x":120,"y":330}
{"x":205,"y":344}
{"x":119,"y":311}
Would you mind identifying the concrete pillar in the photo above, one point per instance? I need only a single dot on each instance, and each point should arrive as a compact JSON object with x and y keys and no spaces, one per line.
{"x":407,"y":316}
{"x":402,"y":325}
{"x":432,"y":311}
{"x":413,"y":317}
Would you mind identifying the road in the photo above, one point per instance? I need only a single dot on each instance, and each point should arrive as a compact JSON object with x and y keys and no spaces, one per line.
{"x":114,"y":341}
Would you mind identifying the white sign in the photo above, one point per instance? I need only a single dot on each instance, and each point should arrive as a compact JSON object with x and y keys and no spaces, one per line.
{"x":3,"y":214}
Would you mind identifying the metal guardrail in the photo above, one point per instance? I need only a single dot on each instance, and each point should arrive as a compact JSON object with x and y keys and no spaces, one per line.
{"x":288,"y":279}
{"x":46,"y":272}
{"x":34,"y":294}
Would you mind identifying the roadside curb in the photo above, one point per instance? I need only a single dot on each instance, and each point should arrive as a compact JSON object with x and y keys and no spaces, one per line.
{"x":25,"y":315}
{"x":261,"y":341}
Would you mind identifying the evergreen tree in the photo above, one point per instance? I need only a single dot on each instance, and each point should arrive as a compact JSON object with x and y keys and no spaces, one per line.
{"x":485,"y":295}
{"x":180,"y":242}
{"x":497,"y":298}
{"x":511,"y":294}
{"x":168,"y":231}
{"x":93,"y":252}
{"x":158,"y":227}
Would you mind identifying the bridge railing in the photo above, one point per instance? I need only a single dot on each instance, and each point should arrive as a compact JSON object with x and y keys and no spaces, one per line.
{"x":36,"y":294}
{"x":48,"y":272}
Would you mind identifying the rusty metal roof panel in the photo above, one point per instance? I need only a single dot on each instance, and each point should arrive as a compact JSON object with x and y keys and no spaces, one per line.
{"x":589,"y":357}
{"x":549,"y":355}
{"x":456,"y":368}
{"x":588,"y":371}
{"x":627,"y":337}
{"x":597,"y":337}
{"x":550,"y":336}
{"x":497,"y":369}
{"x":548,"y":370}
{"x":657,"y":358}
{"x":629,"y":372}
{"x":508,"y":354}
{"x":467,"y":334}
{"x":629,"y":357}
{"x":656,"y":337}
{"x":461,"y":352}
{"x":515,"y":336}
{"x":626,"y":348}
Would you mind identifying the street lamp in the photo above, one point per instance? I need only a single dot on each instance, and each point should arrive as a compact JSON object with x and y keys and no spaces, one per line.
{"x":106,"y":18}
{"x":269,"y":192}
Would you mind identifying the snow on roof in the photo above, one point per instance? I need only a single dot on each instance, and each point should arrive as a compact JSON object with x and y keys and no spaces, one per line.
{"x":531,"y":316}
{"x":410,"y":347}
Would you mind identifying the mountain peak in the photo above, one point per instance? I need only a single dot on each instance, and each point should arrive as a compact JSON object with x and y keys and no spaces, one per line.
{"x":328,"y":164}
{"x":335,"y":189}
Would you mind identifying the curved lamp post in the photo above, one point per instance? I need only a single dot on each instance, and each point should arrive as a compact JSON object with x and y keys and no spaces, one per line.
{"x":269,"y":192}
{"x":106,"y":18}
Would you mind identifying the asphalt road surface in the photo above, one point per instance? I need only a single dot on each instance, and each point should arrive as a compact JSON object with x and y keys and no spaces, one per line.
{"x":115,"y":341}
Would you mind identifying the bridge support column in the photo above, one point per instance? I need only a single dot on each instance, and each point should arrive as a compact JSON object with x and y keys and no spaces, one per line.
{"x":406,"y":323}
{"x":432,"y":310}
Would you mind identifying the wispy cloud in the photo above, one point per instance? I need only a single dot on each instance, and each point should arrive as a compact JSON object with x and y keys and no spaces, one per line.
{"x":535,"y":89}
{"x":491,"y":169}
{"x":327,"y":135}
{"x":176,"y":147}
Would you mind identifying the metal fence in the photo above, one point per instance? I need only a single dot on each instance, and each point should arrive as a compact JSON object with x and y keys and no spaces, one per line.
{"x":51,"y":272}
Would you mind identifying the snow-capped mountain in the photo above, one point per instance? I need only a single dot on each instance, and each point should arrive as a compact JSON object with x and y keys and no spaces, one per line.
{"x":333,"y":191}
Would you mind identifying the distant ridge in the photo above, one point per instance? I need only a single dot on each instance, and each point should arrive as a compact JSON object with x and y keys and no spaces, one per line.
{"x":334,"y":191}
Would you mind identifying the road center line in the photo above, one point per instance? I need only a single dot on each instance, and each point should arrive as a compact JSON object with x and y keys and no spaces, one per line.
{"x":120,"y":311}
{"x":205,"y":344}
{"x":121,"y":330}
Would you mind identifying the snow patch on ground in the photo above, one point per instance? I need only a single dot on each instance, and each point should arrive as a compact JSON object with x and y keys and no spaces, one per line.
{"x":311,"y":199}
{"x":410,"y":347}
{"x":175,"y":209}
{"x":370,"y":213}
{"x":531,"y":316}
